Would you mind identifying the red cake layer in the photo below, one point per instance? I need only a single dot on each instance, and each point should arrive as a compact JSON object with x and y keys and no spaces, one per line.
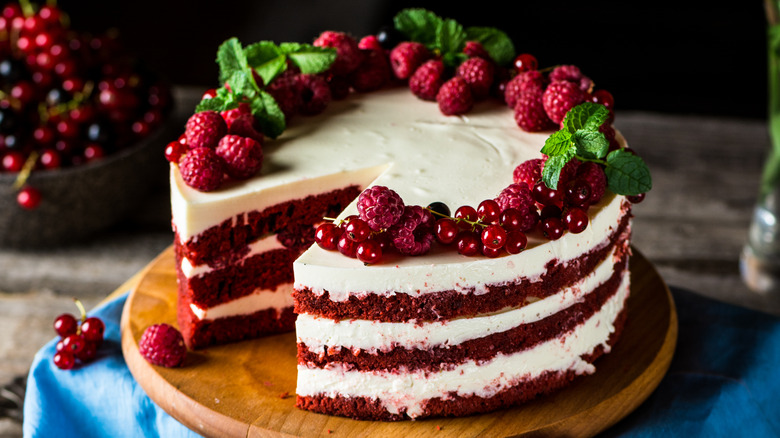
{"x":514,"y":340}
{"x":452,"y":304}
{"x":363,"y":408}
{"x":230,"y":238}
{"x":202,"y":333}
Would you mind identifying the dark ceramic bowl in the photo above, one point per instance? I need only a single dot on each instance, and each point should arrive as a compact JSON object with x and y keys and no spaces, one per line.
{"x":79,"y":201}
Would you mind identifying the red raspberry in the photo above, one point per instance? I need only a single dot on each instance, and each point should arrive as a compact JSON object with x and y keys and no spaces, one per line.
{"x":531,"y":80}
{"x":285,"y":89}
{"x":406,"y":57}
{"x":530,"y":114}
{"x":370,"y":42}
{"x":228,"y":116}
{"x":162,"y":344}
{"x":528,"y":172}
{"x":413,"y":233}
{"x":427,"y":79}
{"x":568,"y":172}
{"x":315,"y":94}
{"x":244,"y":126}
{"x":478,"y":73}
{"x":373,"y":73}
{"x":202,"y":169}
{"x":609,"y":132}
{"x":380,"y":207}
{"x":454,"y":97}
{"x":204,"y":129}
{"x":594,"y":175}
{"x":519,"y":197}
{"x":243,"y":156}
{"x":559,"y":97}
{"x":348,"y":55}
{"x":571,"y":73}
{"x":474,"y":49}
{"x":339,"y":87}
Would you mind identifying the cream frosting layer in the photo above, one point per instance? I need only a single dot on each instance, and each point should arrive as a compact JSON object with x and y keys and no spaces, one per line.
{"x":408,"y":391}
{"x":317,"y":332}
{"x":259,"y":299}
{"x":259,"y":246}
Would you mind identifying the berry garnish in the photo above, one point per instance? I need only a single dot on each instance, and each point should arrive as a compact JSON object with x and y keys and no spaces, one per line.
{"x":369,"y":251}
{"x":413,"y":233}
{"x":92,"y":329}
{"x":576,"y":220}
{"x":455,"y":97}
{"x":439,"y":209}
{"x":516,"y":242}
{"x":469,"y":244}
{"x":65,"y":325}
{"x":73,"y":343}
{"x":162,"y":344}
{"x":488,"y":211}
{"x":347,"y":246}
{"x":79,"y":338}
{"x":493,"y":237}
{"x":202,"y":169}
{"x":327,"y":236}
{"x":28,"y":197}
{"x":552,"y":228}
{"x":446,"y":230}
{"x":64,"y":360}
{"x":525,"y":62}
{"x":380,"y":207}
{"x":357,"y":230}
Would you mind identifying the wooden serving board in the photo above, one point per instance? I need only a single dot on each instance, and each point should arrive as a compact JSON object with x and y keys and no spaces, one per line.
{"x":248,"y":388}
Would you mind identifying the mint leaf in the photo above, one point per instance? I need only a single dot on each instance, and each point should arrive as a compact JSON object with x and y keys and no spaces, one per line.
{"x":231,"y":59}
{"x":557,"y":144}
{"x":450,"y":36}
{"x":213,"y":104}
{"x":268,"y":114}
{"x":627,"y":174}
{"x":418,"y":25}
{"x":551,"y":172}
{"x":590,"y":144}
{"x":267,"y":60}
{"x":588,"y":116}
{"x":310,"y":59}
{"x":496,"y":42}
{"x":243,"y":84}
{"x":454,"y":59}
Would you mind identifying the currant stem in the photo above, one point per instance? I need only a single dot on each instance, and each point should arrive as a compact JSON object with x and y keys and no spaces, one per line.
{"x":24,"y":174}
{"x":82,"y":310}
{"x":473,"y":224}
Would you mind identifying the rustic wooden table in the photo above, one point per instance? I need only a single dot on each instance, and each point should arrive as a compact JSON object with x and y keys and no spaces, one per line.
{"x":692,"y":227}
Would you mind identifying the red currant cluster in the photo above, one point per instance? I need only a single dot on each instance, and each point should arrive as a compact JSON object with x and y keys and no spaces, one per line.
{"x":354,"y":238}
{"x":486,"y":230}
{"x":79,"y":339}
{"x":68,"y":98}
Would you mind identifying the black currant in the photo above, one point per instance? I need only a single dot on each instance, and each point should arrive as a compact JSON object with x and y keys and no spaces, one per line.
{"x":439,"y":207}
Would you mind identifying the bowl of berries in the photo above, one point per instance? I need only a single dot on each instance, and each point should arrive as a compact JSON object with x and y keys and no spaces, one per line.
{"x":80,"y":126}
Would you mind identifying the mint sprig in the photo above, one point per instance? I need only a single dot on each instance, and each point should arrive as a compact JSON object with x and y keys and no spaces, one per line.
{"x":237,"y":68}
{"x":627,"y":174}
{"x":447,"y":38}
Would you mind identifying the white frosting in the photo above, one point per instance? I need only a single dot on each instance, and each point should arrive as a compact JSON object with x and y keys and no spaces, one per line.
{"x":259,"y":299}
{"x":259,"y":246}
{"x":408,"y":391}
{"x":318,"y":332}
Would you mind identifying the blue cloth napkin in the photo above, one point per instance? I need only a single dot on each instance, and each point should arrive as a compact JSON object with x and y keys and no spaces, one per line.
{"x":723,"y":381}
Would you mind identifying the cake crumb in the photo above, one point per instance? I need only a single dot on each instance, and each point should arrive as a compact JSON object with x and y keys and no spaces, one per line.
{"x":329,"y":431}
{"x":438,"y":427}
{"x":284,"y":395}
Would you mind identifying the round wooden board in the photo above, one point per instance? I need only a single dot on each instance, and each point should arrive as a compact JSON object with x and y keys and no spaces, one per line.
{"x":248,"y":388}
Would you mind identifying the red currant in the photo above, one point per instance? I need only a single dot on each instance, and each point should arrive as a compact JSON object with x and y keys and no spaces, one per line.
{"x":327,"y":235}
{"x":65,"y":325}
{"x":13,"y":161}
{"x":525,"y":62}
{"x":511,"y":219}
{"x":174,"y":150}
{"x":93,"y":152}
{"x":88,"y":353}
{"x":547,"y":196}
{"x":636,"y":199}
{"x":369,"y":251}
{"x":603,"y":97}
{"x":488,"y":211}
{"x":23,"y":91}
{"x":576,"y":220}
{"x":515,"y":242}
{"x":358,"y":230}
{"x":469,"y":243}
{"x":347,"y":246}
{"x":64,"y":360}
{"x":92,"y":329}
{"x":28,"y":198}
{"x":50,"y":159}
{"x":491,"y":252}
{"x":384,"y":240}
{"x":73,"y":343}
{"x":446,"y":230}
{"x":467,"y":213}
{"x":68,"y":128}
{"x":552,"y":228}
{"x":493,"y":237}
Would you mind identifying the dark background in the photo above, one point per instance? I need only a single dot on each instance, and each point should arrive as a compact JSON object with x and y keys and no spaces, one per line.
{"x":673,"y":56}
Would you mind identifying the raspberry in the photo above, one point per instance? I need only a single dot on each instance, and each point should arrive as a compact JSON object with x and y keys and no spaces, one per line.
{"x":571,"y":73}
{"x":315,"y":94}
{"x":229,"y":115}
{"x":559,"y":97}
{"x":370,"y":42}
{"x":406,"y":57}
{"x":528,"y":172}
{"x":202,"y":169}
{"x":348,"y":55}
{"x":530,"y":114}
{"x":162,"y":344}
{"x":427,"y":79}
{"x":531,"y":80}
{"x":339,"y":87}
{"x":609,"y":132}
{"x":478,"y":73}
{"x":244,"y":126}
{"x":594,"y":175}
{"x":285,"y":89}
{"x":454,"y":97}
{"x":413,"y":233}
{"x":474,"y":49}
{"x":373,"y":73}
{"x":380,"y":207}
{"x":519,"y":197}
{"x":204,"y":129}
{"x":243,"y":156}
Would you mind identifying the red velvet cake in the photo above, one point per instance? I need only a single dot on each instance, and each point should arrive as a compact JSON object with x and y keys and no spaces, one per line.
{"x":504,"y":308}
